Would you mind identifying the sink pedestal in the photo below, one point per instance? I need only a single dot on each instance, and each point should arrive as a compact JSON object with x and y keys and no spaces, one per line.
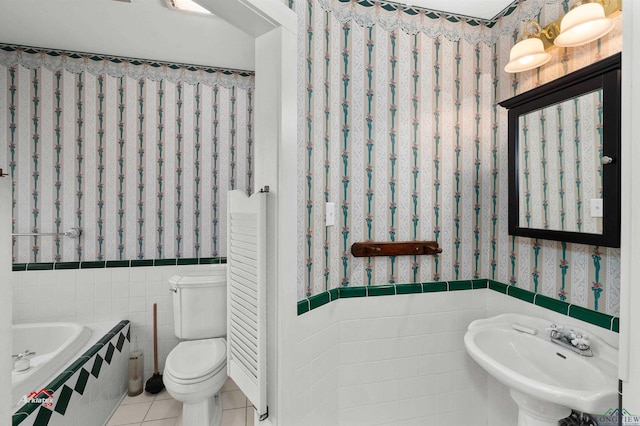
{"x":534,"y":412}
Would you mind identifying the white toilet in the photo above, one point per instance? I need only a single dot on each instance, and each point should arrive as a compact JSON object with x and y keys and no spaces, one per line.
{"x":196,"y":369}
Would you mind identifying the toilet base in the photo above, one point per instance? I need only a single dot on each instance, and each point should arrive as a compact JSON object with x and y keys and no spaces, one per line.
{"x":207,"y":412}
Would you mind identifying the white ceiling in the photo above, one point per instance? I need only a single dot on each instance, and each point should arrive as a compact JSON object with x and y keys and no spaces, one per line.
{"x":483,"y":9}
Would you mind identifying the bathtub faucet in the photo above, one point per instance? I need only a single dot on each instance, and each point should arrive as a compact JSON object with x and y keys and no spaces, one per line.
{"x":21,"y":362}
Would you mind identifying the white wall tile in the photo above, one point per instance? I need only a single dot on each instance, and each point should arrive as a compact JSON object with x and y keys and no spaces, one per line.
{"x":91,"y":295}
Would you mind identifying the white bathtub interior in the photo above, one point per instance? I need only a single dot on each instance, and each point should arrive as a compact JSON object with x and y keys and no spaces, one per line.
{"x":55,"y":346}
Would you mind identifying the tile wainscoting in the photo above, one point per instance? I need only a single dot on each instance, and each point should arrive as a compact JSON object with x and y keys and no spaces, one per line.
{"x":108,"y":293}
{"x":400,"y":360}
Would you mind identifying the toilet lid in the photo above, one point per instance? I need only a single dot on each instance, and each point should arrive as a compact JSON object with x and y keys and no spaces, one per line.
{"x":195,"y":359}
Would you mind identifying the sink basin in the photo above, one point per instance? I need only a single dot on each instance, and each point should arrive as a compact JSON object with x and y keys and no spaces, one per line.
{"x":546,"y":380}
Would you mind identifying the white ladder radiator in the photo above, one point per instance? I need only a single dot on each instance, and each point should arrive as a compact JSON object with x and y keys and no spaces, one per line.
{"x":246,"y":296}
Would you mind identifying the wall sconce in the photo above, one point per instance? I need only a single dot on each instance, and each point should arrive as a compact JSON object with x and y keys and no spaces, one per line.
{"x":588,"y":20}
{"x":530,"y":52}
{"x":583,"y":24}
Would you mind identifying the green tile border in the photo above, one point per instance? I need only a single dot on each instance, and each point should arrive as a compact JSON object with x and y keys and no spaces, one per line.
{"x":578,"y":312}
{"x":521,"y":294}
{"x":460,"y":285}
{"x":66,"y":265}
{"x":592,"y":317}
{"x":434,"y":287}
{"x":39,"y":266}
{"x":133,"y":263}
{"x":93,"y":265}
{"x":347,"y":292}
{"x":382,"y":290}
{"x":552,"y":304}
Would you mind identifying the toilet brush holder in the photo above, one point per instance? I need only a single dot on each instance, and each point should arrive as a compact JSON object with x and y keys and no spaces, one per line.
{"x":136,"y":368}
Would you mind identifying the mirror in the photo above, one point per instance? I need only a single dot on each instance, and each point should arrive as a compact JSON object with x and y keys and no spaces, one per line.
{"x":564,"y":168}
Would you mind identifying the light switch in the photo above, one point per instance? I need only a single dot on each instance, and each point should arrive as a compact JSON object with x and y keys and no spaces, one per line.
{"x":596,"y":207}
{"x":330,"y":214}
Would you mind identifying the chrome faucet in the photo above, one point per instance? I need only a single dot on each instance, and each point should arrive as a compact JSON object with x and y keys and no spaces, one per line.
{"x":574,"y":340}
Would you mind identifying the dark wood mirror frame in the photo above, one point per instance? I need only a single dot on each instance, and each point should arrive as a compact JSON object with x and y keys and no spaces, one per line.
{"x":605,"y":74}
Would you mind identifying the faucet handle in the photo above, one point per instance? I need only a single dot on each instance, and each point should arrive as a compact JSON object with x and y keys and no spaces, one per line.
{"x":555,"y":328}
{"x":581,"y":343}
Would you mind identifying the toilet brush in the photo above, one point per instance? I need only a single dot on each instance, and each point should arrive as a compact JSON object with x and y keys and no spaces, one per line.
{"x":155,"y":383}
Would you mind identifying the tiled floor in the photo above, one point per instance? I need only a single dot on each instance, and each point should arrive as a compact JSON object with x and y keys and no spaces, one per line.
{"x":162,"y":410}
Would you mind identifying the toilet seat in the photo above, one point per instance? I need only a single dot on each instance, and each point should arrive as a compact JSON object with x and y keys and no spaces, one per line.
{"x":196,"y":361}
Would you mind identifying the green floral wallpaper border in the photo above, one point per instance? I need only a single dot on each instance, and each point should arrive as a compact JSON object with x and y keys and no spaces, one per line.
{"x":599,"y":319}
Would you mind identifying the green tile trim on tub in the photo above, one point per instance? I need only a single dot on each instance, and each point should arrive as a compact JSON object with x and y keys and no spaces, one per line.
{"x":59,"y":381}
{"x":592,"y":317}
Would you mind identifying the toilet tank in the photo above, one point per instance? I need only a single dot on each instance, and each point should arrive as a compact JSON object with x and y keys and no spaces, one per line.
{"x":200,"y":304}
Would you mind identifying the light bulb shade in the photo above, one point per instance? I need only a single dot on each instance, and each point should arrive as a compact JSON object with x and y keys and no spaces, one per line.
{"x":582,"y":25}
{"x":527,"y":54}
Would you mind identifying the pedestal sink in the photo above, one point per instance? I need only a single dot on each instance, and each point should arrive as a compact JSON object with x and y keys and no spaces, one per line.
{"x":546,"y":380}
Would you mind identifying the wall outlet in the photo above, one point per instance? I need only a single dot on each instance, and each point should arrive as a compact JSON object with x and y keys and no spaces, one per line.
{"x":596,"y":207}
{"x":330,"y":214}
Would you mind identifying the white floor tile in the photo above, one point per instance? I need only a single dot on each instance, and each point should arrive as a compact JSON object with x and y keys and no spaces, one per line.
{"x":130,"y":413}
{"x":234,"y":417}
{"x":230,"y":385}
{"x":143,"y":397}
{"x":249,"y":416}
{"x":233,"y":399}
{"x":163,"y":395}
{"x":164,"y":409}
{"x":163,"y":422}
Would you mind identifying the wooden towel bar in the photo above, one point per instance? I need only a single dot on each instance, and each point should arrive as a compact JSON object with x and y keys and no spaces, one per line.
{"x":403,"y":248}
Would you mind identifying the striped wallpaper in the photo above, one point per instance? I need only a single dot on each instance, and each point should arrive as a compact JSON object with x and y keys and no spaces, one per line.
{"x":137,"y":156}
{"x":402,"y":131}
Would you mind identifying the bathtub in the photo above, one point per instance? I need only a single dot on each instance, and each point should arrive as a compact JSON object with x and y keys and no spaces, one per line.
{"x":54,"y":344}
{"x":77,"y":375}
